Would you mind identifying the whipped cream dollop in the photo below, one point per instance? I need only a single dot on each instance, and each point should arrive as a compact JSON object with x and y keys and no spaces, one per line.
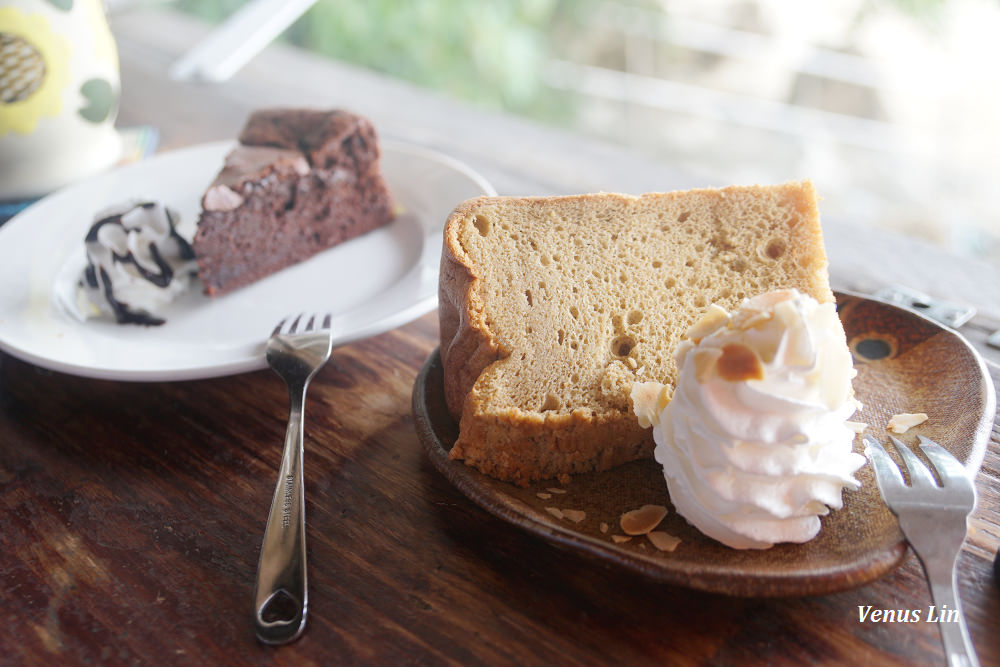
{"x":754,"y":439}
{"x":137,"y":263}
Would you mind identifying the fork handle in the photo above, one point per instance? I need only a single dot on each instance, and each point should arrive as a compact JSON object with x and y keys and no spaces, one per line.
{"x":280,"y":595}
{"x":951,"y":621}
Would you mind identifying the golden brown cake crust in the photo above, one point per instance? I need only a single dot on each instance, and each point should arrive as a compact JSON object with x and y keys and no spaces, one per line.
{"x":550,"y":307}
{"x":467,"y":344}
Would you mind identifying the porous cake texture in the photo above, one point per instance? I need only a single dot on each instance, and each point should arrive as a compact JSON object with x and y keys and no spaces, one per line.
{"x":299,"y":182}
{"x":552,"y":307}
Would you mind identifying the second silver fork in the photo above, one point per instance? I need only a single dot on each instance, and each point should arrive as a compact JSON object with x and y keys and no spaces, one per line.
{"x":295,"y":351}
{"x":934,"y":520}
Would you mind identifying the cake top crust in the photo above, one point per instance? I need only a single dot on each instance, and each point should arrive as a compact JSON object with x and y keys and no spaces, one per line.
{"x":327,"y":139}
{"x":294,"y":140}
{"x":254,"y":162}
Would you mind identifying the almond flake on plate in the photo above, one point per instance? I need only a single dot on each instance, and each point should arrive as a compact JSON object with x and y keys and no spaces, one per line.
{"x":554,"y":511}
{"x":902,"y":423}
{"x":620,"y":538}
{"x":576,"y":516}
{"x":642,"y":520}
{"x":663,"y":541}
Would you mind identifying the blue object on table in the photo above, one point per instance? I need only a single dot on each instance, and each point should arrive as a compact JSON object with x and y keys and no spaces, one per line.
{"x":9,"y":209}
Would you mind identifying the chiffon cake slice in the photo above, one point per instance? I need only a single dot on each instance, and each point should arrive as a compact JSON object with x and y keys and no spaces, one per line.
{"x":551,"y":308}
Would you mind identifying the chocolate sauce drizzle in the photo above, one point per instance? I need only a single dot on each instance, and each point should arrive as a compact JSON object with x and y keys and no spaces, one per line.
{"x":164,"y":274}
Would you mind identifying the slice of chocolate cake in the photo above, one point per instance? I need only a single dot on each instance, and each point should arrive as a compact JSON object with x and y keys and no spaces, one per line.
{"x":300,"y":181}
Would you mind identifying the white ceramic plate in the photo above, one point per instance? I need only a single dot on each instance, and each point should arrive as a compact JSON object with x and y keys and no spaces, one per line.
{"x":370,"y":284}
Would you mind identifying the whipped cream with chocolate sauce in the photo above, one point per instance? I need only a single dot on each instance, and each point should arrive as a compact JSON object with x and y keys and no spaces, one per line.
{"x":137,"y":263}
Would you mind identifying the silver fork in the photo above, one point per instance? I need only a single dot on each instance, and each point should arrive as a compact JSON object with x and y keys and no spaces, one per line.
{"x":296,"y":350}
{"x":934,"y":520}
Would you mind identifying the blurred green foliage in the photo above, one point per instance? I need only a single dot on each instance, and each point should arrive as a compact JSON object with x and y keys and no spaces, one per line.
{"x":491,"y":53}
{"x":488,"y":52}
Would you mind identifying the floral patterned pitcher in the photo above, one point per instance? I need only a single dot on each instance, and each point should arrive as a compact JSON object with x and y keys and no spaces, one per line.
{"x":59,"y":91}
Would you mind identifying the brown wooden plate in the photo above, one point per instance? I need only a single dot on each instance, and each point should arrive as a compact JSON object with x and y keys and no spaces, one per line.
{"x":905,"y":362}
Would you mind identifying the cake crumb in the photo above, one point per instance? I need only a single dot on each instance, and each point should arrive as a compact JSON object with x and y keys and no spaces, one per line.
{"x":604,"y":527}
{"x":554,"y":511}
{"x":663,"y":541}
{"x":619,"y":539}
{"x":576,"y":516}
{"x":642,"y":520}
{"x":564,"y":478}
{"x":903,"y":422}
{"x":544,"y":496}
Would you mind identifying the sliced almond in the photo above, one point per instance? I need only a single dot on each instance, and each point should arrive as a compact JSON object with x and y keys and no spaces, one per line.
{"x":576,"y":516}
{"x":642,"y":520}
{"x":705,"y":359}
{"x":759,"y":310}
{"x":715,"y":318}
{"x":663,"y":541}
{"x":604,"y":527}
{"x":682,"y":349}
{"x":554,"y":511}
{"x":746,"y":319}
{"x":620,"y":538}
{"x":556,"y":490}
{"x":739,"y":363}
{"x":902,"y":423}
{"x":857,"y":427}
{"x":648,"y":401}
{"x":544,"y":496}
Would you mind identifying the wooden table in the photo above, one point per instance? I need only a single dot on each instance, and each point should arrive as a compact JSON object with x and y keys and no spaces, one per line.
{"x":131,"y":514}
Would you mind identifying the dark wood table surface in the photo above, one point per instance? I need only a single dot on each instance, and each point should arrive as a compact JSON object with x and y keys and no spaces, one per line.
{"x":131,"y":513}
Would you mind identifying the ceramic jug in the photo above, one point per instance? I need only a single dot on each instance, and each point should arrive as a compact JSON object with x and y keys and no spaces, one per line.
{"x":59,"y":90}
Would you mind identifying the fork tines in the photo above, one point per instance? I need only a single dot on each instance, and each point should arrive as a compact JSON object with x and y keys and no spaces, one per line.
{"x":953,"y":478}
{"x":955,"y":490}
{"x":310,"y":323}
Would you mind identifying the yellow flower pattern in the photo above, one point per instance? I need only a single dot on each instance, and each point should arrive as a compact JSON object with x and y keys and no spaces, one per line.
{"x":34,"y":70}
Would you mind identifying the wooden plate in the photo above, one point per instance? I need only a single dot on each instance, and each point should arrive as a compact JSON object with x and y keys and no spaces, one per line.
{"x":905,"y":362}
